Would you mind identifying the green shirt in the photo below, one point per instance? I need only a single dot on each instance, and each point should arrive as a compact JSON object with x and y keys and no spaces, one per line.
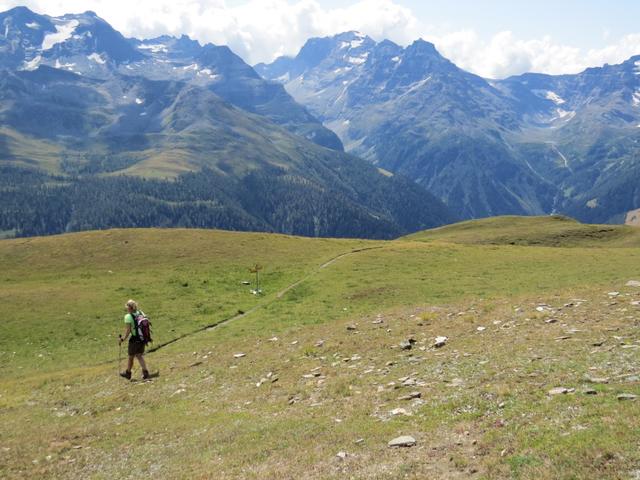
{"x":128,"y":319}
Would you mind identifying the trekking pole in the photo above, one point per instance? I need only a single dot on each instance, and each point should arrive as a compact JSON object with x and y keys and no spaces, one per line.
{"x":119,"y":353}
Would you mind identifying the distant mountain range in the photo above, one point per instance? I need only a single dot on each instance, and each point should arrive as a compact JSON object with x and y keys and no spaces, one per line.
{"x":175,"y":133}
{"x":529,"y":144}
{"x":201,"y":138}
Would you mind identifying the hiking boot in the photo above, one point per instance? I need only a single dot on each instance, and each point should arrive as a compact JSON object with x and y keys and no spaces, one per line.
{"x":126,"y":374}
{"x":145,"y":374}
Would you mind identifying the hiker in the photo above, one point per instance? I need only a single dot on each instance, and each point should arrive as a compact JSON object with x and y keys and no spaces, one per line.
{"x":136,"y":344}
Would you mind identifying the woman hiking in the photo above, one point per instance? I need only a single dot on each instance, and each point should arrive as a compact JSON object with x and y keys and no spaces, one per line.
{"x":136,"y":344}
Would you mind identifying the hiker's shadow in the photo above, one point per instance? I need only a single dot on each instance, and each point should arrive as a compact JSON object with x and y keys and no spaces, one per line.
{"x":150,"y":377}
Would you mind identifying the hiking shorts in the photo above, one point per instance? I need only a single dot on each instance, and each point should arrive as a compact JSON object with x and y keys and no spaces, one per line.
{"x":136,"y":347}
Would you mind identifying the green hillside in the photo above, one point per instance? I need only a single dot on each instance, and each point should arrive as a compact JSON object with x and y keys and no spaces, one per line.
{"x":317,"y":392}
{"x":550,"y":231}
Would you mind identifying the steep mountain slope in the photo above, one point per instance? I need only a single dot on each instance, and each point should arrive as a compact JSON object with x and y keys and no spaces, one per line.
{"x":531,"y":144}
{"x":87,"y":45}
{"x":250,"y":174}
{"x":592,"y":147}
{"x":412,"y":111}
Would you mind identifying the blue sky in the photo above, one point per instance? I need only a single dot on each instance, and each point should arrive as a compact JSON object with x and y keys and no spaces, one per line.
{"x":582,"y":23}
{"x":493,"y":38}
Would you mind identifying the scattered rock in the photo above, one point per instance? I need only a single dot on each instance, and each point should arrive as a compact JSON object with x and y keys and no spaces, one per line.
{"x":403,"y":441}
{"x":407,"y":344}
{"x":410,"y":396}
{"x":440,"y":342}
{"x":627,"y":396}
{"x":195,"y":364}
{"x":558,"y":391}
{"x":590,"y":391}
{"x":550,"y":320}
{"x":399,"y":411}
{"x":456,"y":382}
{"x":613,"y":294}
{"x":633,"y":283}
{"x":319,"y":343}
{"x":342,"y":455}
{"x":598,"y":343}
{"x":481,"y":329}
{"x":239,"y":355}
{"x":351,"y":327}
{"x":596,"y":379}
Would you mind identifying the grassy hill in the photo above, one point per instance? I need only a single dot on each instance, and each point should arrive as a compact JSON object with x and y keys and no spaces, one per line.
{"x":550,"y":231}
{"x":323,"y":371}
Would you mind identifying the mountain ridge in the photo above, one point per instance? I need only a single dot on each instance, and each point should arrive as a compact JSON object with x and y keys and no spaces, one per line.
{"x":247,"y":155}
{"x":412,"y":111}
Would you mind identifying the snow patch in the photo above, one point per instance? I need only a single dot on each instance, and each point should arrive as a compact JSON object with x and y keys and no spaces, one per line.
{"x":549,"y":95}
{"x":97,"y":58}
{"x":154,"y":48}
{"x":193,"y":66}
{"x":139,"y":101}
{"x":636,"y":98}
{"x":206,"y":72}
{"x":344,"y":45}
{"x":561,"y":114}
{"x":416,"y":85}
{"x":61,"y":66}
{"x":593,"y":203}
{"x":283,"y":78}
{"x":358,"y":60}
{"x":637,"y":69}
{"x":555,"y":98}
{"x":356,"y":43}
{"x":64,"y":31}
{"x":33,"y":25}
{"x":33,"y":64}
{"x":396,"y":59}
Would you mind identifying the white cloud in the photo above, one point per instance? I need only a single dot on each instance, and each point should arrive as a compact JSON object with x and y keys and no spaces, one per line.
{"x":504,"y":54}
{"x":260,"y":30}
{"x":257,"y":30}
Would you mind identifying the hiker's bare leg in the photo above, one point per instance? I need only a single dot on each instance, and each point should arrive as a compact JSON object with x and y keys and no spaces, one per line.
{"x":142,"y":362}
{"x":130,"y":363}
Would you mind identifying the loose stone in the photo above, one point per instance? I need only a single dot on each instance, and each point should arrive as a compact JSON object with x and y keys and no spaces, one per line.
{"x":403,"y":441}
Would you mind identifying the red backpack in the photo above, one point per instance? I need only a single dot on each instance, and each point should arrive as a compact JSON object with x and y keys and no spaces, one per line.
{"x":142,"y":327}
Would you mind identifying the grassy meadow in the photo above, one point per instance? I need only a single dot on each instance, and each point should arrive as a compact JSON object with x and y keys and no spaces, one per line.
{"x":309,"y":380}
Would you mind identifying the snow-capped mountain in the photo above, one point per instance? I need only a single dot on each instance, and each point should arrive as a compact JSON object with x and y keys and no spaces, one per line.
{"x":527,"y":144}
{"x":86,"y":45}
{"x":100,"y":131}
